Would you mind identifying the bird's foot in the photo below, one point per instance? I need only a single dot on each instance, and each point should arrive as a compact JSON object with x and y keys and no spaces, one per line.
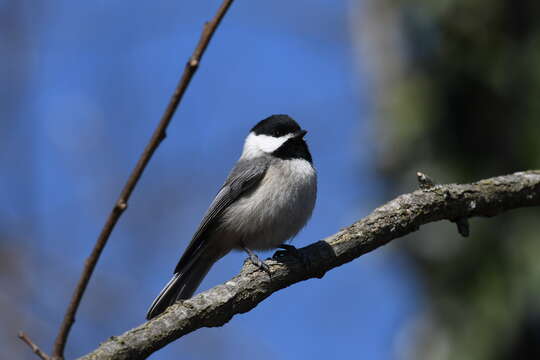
{"x":293,"y":251}
{"x":256,"y":261}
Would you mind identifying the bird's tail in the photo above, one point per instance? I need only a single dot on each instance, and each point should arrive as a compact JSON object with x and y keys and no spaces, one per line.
{"x":181,"y":286}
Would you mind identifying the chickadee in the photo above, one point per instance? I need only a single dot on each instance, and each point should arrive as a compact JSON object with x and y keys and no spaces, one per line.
{"x":267,"y":198}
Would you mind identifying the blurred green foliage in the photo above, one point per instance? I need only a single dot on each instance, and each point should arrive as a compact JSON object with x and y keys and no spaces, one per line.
{"x":467,"y":106}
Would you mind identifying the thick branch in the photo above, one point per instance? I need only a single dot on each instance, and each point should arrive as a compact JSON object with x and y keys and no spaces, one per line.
{"x":395,"y":219}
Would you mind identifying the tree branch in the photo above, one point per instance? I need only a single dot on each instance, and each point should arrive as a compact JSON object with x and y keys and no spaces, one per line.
{"x":121,"y":204}
{"x":35,"y":349}
{"x":397,"y":218}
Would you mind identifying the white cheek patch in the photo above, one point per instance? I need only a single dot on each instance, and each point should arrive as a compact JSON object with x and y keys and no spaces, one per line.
{"x":256,"y":145}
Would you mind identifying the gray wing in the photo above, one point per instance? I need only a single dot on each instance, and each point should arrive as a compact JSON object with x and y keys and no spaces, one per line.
{"x":244,"y":176}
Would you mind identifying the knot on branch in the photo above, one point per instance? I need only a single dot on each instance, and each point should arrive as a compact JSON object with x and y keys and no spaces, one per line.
{"x":425,"y":183}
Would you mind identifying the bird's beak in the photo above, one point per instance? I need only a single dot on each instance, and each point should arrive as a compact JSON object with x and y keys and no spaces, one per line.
{"x":300,"y":134}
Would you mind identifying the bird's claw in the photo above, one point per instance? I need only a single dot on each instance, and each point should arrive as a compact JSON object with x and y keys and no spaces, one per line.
{"x":257,"y":262}
{"x":293,"y":251}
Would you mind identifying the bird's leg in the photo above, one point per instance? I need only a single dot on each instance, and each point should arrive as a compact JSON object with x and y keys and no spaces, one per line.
{"x":256,"y":261}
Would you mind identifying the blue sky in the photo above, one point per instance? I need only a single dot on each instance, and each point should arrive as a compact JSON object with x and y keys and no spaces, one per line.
{"x":97,"y":76}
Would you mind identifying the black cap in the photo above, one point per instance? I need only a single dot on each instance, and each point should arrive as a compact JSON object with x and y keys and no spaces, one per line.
{"x":276,"y":125}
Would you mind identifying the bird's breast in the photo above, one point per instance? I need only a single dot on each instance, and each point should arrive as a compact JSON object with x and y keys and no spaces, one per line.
{"x":277,"y":208}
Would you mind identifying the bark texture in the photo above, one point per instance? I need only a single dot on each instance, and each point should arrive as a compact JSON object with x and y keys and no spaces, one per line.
{"x":395,"y":219}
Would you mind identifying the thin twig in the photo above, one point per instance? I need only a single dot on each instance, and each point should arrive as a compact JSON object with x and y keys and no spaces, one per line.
{"x":33,"y":346}
{"x":424,"y":181}
{"x":122,"y":203}
{"x":463,"y":227}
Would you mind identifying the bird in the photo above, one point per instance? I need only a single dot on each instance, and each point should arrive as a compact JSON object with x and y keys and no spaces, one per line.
{"x":267,"y":198}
